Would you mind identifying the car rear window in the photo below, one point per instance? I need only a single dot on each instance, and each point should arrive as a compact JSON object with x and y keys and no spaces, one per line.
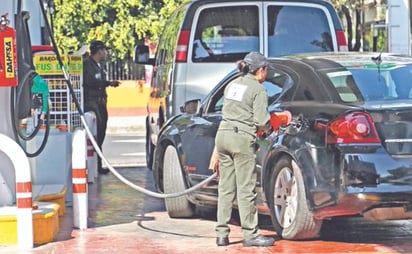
{"x":226,"y":34}
{"x":370,"y":83}
{"x":393,"y":83}
{"x":297,"y":29}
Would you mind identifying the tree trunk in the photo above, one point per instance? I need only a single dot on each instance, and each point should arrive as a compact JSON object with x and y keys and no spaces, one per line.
{"x":348,"y":18}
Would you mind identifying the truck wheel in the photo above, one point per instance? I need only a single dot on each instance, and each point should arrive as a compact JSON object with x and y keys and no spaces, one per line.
{"x":173,"y":181}
{"x":149,"y":146}
{"x":289,"y":208}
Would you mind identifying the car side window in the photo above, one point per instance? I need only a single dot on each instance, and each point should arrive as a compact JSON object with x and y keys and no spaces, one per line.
{"x":345,"y":86}
{"x":219,"y":105}
{"x":216,"y":101}
{"x":226,"y":34}
{"x":277,"y":84}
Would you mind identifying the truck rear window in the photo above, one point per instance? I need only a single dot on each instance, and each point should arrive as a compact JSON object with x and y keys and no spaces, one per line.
{"x":226,"y":34}
{"x":297,"y":29}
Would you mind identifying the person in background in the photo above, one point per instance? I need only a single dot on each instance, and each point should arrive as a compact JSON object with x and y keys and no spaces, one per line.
{"x":244,"y":113}
{"x":94,"y":90}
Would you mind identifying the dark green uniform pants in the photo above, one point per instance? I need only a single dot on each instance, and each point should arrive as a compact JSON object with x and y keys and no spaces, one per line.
{"x":99,"y":107}
{"x":237,"y":177}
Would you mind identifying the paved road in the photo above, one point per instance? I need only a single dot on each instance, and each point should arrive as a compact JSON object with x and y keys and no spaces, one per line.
{"x":125,"y":150}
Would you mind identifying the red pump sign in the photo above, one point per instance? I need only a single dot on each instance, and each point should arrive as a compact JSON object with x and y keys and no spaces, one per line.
{"x":8,"y":54}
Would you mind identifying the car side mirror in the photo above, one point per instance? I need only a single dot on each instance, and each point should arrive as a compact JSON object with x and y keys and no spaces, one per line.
{"x":191,"y":107}
{"x":142,"y":55}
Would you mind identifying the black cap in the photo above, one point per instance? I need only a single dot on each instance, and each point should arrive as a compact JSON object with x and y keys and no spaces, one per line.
{"x":255,"y":61}
{"x":96,"y":45}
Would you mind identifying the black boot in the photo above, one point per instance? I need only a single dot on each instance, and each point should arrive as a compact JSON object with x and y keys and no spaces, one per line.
{"x":103,"y":171}
{"x":222,"y":241}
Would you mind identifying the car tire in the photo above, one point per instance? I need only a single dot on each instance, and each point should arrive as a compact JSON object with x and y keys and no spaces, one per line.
{"x":289,"y":208}
{"x":173,"y":182}
{"x":149,"y":146}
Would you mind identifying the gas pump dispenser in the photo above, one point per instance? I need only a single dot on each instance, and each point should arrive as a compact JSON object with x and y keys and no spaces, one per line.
{"x":23,"y":93}
{"x":29,"y":102}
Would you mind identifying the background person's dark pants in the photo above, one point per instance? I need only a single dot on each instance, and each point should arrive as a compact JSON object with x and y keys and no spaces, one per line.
{"x":99,"y":107}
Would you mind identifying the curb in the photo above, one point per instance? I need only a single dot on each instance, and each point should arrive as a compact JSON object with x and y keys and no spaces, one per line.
{"x":117,"y":125}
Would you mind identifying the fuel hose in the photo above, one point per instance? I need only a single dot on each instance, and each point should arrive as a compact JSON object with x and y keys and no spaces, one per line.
{"x":91,"y":136}
{"x":17,"y":94}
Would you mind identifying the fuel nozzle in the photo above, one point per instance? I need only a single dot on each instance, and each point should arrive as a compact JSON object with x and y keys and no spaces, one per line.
{"x":40,"y":89}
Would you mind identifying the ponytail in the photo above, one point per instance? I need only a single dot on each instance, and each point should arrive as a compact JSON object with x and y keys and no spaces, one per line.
{"x":242,"y":66}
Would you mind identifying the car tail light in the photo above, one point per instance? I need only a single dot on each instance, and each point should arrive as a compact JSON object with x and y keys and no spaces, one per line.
{"x":278,"y":119}
{"x":342,"y":45}
{"x":355,"y":127}
{"x":182,"y":46}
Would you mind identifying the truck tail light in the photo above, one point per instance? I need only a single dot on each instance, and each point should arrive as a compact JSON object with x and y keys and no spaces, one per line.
{"x":182,"y":46}
{"x":342,"y":44}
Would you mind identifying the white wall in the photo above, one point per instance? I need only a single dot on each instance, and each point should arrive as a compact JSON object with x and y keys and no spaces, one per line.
{"x":398,"y":22}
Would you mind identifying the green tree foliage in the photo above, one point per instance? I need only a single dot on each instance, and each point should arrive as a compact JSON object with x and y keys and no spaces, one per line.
{"x":350,"y":12}
{"x":119,"y":23}
{"x":344,"y":8}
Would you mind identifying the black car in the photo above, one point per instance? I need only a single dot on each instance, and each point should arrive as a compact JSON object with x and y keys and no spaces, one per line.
{"x":346,"y":151}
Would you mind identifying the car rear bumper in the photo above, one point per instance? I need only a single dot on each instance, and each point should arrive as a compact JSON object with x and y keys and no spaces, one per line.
{"x":369,"y":181}
{"x":370,"y":205}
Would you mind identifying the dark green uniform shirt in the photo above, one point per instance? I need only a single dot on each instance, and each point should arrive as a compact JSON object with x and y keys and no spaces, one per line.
{"x":94,"y":80}
{"x":245,"y":105}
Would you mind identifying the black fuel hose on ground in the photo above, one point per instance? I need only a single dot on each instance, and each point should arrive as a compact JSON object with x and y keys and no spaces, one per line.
{"x":93,"y":141}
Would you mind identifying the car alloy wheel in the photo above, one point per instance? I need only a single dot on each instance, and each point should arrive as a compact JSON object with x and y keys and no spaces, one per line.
{"x":289,"y":207}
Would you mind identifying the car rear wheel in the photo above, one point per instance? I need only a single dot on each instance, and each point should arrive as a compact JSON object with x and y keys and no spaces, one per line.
{"x":289,"y":209}
{"x":178,"y":207}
